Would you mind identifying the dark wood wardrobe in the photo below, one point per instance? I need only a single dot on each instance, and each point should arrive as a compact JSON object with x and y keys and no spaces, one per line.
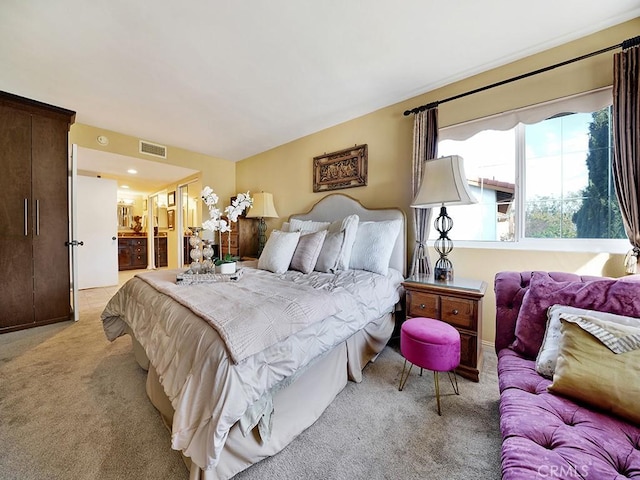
{"x":34,"y":213}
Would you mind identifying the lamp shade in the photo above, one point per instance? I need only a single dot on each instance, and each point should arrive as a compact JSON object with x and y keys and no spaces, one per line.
{"x":262,"y":206}
{"x":443,"y":183}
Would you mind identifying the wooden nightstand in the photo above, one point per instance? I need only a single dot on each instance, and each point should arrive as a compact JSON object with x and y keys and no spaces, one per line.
{"x":242,"y":241}
{"x":459,"y":303}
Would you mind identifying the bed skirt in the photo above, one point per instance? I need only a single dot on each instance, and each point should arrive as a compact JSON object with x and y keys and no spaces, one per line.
{"x":296,"y":407}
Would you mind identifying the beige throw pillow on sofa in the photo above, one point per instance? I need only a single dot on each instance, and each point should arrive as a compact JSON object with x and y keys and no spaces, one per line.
{"x":548,"y":354}
{"x":589,"y":371}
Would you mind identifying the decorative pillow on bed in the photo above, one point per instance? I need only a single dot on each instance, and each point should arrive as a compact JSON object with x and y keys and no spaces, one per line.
{"x":607,"y":295}
{"x":329,"y":252}
{"x":307,"y":226}
{"x":278,"y":251}
{"x":548,"y":355}
{"x":589,"y":371}
{"x":348,"y":225}
{"x":307,"y":252}
{"x":373,"y":246}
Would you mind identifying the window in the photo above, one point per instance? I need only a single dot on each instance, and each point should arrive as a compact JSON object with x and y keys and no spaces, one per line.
{"x":550,"y":178}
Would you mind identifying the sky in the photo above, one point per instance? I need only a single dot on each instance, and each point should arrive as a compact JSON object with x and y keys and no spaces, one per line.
{"x":556,"y":152}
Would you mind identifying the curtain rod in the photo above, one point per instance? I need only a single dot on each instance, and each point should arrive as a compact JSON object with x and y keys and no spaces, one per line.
{"x":632,"y":42}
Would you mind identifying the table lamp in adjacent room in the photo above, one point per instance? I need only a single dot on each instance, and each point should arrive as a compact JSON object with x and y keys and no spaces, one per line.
{"x":443,"y":183}
{"x":262,"y":208}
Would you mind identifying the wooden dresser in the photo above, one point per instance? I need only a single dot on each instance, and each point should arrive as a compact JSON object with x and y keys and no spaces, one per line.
{"x":459,"y":303}
{"x":243,"y":240}
{"x":132,"y":252}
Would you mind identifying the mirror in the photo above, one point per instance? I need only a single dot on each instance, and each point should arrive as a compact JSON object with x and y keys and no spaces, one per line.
{"x":125,"y":213}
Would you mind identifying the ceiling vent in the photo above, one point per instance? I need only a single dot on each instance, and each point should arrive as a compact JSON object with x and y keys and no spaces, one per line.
{"x":153,"y":149}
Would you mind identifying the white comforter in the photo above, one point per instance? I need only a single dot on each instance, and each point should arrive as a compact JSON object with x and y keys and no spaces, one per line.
{"x":208,"y":390}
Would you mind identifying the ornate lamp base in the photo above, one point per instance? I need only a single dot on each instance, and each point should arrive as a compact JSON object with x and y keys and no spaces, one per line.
{"x":443,"y":269}
{"x":262,"y":235}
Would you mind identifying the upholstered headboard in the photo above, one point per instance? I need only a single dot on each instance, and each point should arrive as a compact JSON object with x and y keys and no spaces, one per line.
{"x":337,"y":206}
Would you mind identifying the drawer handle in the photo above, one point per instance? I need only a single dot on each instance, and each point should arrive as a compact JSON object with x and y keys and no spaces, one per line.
{"x":455,"y":312}
{"x":422,"y":305}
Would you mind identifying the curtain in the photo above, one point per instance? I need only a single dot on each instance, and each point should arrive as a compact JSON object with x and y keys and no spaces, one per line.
{"x":425,"y":147}
{"x":626,"y":131}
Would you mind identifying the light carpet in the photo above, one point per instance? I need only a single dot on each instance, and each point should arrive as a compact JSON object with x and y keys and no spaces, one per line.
{"x":73,"y":406}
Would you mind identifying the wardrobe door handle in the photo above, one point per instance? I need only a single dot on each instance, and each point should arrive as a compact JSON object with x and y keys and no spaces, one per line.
{"x":26,"y":217}
{"x":37,"y":217}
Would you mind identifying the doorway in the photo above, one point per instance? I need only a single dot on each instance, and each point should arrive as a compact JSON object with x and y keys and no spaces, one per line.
{"x":137,"y":214}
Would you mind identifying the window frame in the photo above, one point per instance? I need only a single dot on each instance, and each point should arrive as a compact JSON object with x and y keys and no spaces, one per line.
{"x":520,"y":242}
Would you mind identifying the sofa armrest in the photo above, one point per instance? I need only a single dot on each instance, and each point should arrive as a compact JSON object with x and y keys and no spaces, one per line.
{"x":509,"y":288}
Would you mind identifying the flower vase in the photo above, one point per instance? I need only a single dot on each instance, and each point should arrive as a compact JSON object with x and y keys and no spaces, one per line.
{"x":208,"y":265}
{"x":196,"y":251}
{"x":228,"y":268}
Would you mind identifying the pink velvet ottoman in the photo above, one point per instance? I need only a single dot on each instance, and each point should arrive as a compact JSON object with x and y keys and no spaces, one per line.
{"x":433,"y":345}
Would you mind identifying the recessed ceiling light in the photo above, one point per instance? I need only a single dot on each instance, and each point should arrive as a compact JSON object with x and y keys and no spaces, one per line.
{"x":102,"y":140}
{"x":132,"y":171}
{"x":124,"y":186}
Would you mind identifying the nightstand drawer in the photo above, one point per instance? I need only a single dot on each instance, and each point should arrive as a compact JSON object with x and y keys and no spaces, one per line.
{"x":233,"y":240}
{"x":139,"y":260}
{"x":422,"y":305}
{"x":459,"y":312}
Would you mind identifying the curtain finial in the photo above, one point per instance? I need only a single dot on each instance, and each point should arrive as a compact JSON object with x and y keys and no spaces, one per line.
{"x":631,"y":42}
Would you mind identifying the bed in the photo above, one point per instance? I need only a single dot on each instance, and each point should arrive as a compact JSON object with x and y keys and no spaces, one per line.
{"x":239,"y":369}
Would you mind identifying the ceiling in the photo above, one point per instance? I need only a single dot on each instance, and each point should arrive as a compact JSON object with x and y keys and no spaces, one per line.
{"x":233,"y":79}
{"x":149,"y":176}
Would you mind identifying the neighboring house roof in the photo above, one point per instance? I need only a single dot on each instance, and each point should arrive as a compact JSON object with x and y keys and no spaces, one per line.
{"x":505,"y":191}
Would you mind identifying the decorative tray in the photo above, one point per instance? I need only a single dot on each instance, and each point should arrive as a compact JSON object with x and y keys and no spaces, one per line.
{"x":189,"y":278}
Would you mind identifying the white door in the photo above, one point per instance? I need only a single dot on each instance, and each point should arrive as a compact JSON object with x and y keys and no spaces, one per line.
{"x":73,"y":229}
{"x":97,"y":228}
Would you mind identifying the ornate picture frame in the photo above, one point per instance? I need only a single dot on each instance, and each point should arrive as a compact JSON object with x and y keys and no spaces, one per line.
{"x":343,"y":169}
{"x":171,"y":219}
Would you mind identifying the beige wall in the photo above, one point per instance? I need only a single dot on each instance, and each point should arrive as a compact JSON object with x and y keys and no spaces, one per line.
{"x":218,"y":173}
{"x":286,"y":171}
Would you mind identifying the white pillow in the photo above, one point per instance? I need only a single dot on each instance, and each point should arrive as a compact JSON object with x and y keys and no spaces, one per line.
{"x":278,"y":251}
{"x":373,"y":246}
{"x":285,"y":227}
{"x":548,"y":354}
{"x":307,"y":252}
{"x":307,"y":226}
{"x":329,"y":252}
{"x":348,"y":225}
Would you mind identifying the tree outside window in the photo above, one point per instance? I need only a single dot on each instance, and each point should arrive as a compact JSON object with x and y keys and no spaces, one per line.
{"x":566,"y":181}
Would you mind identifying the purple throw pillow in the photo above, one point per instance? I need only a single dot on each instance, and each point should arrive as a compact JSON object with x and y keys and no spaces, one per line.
{"x":607,"y":295}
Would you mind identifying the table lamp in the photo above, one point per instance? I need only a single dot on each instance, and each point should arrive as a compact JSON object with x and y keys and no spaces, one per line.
{"x":443,"y":183}
{"x":262,"y":208}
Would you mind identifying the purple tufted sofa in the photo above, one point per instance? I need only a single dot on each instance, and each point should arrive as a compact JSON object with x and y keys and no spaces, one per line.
{"x":545,"y":435}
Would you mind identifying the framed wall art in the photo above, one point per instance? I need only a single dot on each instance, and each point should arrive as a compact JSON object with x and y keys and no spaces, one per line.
{"x":171,"y":219}
{"x":171,"y":199}
{"x":344,"y":169}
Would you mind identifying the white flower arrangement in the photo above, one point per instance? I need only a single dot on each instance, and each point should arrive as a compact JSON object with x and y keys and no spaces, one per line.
{"x":216,"y":223}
